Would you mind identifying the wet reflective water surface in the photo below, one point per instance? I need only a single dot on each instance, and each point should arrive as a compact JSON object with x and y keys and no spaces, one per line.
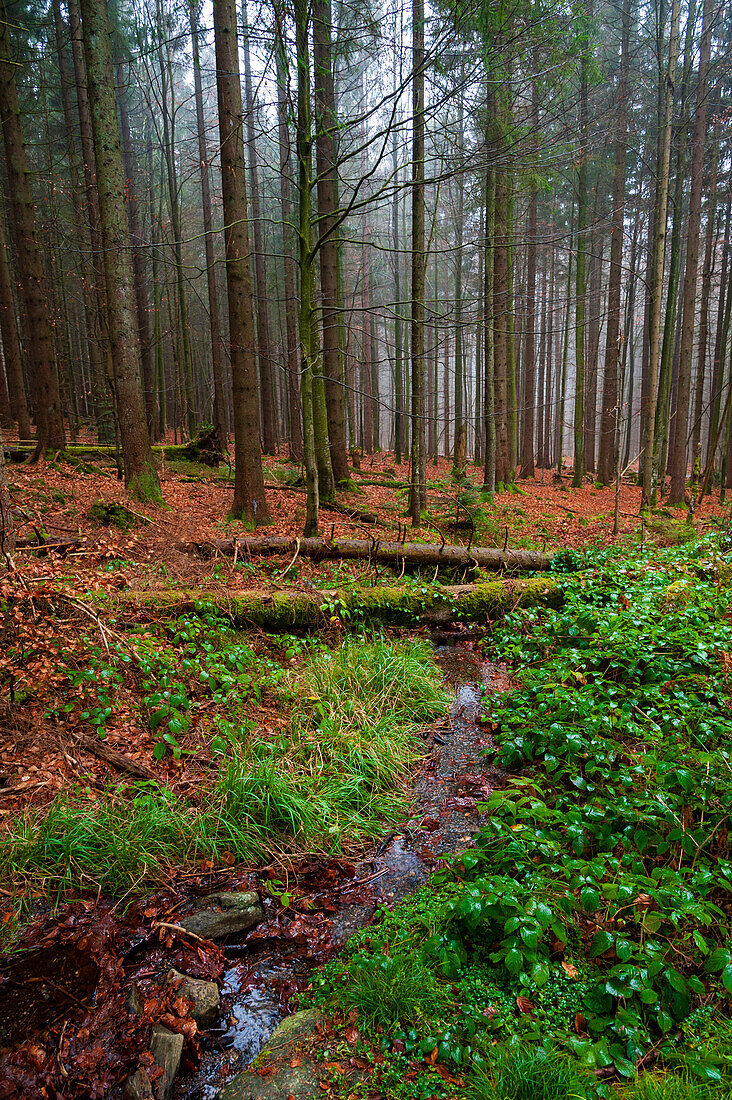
{"x":442,"y":822}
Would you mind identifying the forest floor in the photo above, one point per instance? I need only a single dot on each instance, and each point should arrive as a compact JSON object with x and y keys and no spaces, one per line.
{"x":157,"y":555}
{"x":239,"y":750}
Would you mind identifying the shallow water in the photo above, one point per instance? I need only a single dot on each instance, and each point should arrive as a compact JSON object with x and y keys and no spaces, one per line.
{"x":443,"y":821}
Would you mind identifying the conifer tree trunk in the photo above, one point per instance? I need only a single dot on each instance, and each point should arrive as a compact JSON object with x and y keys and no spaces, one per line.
{"x":264,"y":344}
{"x":326,"y":153}
{"x":501,"y":328}
{"x":11,"y":343}
{"x":250,"y":503}
{"x":580,"y":287}
{"x":7,"y":526}
{"x":658,"y":250}
{"x":308,"y":349}
{"x":102,"y":385}
{"x":35,"y":305}
{"x":418,"y":491}
{"x":610,"y":396}
{"x":688,"y":325}
{"x":138,"y":257}
{"x":218,"y":369}
{"x":289,"y":263}
{"x":706,"y":294}
{"x":94,"y":328}
{"x":141,"y":476}
{"x":527,"y":455}
{"x":489,"y":421}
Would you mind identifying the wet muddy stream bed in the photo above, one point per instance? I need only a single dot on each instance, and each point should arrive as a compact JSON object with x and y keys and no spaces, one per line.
{"x":263,"y":975}
{"x":65,"y":996}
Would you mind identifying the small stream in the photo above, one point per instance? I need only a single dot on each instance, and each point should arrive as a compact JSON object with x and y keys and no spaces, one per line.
{"x":265,"y":974}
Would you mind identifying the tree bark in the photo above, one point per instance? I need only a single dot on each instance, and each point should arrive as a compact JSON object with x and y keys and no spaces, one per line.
{"x":610,"y":396}
{"x":527,"y":455}
{"x":264,"y":343}
{"x":36,"y":312}
{"x":289,"y":263}
{"x":250,"y":503}
{"x":382,"y":553}
{"x":11,"y":342}
{"x":679,"y":456}
{"x":658,"y":251}
{"x":418,"y":491}
{"x":218,"y":367}
{"x":326,"y":153}
{"x":141,"y":476}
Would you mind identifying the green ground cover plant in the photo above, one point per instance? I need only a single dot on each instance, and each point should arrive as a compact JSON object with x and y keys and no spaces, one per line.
{"x":331,"y":776}
{"x":593,"y":915}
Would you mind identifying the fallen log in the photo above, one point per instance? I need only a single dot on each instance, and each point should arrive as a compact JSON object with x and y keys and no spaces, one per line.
{"x":118,"y":759}
{"x":55,"y":544}
{"x":384,"y":553}
{"x":396,"y":605}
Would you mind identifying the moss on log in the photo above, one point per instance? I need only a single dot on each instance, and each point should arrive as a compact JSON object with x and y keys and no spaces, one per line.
{"x":397,"y":605}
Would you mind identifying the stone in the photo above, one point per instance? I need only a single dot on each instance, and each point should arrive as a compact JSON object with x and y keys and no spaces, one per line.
{"x":133,"y":1003}
{"x":138,"y":1087}
{"x":221,"y":915}
{"x":167,"y":1050}
{"x":205,"y":996}
{"x":293,"y":1029}
{"x":302,"y":1081}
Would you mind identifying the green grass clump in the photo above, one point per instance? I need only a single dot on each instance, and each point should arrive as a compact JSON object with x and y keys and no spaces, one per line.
{"x":529,"y":1073}
{"x":334,"y":777}
{"x":386,"y":989}
{"x":365,"y":704}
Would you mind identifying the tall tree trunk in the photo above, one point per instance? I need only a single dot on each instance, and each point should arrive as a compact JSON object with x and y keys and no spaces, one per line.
{"x":220,"y":419}
{"x":679,"y":456}
{"x":489,"y":457}
{"x":326,"y":152}
{"x":36,"y":313}
{"x":398,"y":350}
{"x":94,"y":328}
{"x":11,"y":342}
{"x":580,"y":287}
{"x":168,"y":111}
{"x":610,"y":397}
{"x":7,"y":525}
{"x":527,"y":455}
{"x":269,"y":429}
{"x":722,"y":332}
{"x":658,"y":251}
{"x":289,"y":262}
{"x":501,"y":327}
{"x":141,"y":477}
{"x":102,"y":385}
{"x":418,"y":492}
{"x":250,"y":503}
{"x":701,"y":362}
{"x":308,"y":346}
{"x":138,"y":253}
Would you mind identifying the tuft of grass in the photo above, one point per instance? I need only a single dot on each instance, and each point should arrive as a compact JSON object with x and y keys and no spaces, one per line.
{"x":528,"y":1073}
{"x":336,"y":778}
{"x":678,"y":1087}
{"x":390,"y":989}
{"x":366,"y":703}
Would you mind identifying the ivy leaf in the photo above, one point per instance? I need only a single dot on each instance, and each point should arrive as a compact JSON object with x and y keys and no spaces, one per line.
{"x":727,"y":978}
{"x":602,"y":941}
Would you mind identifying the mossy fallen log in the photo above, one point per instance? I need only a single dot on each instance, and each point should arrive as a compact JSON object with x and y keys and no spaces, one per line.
{"x":396,"y":605}
{"x":397,"y":554}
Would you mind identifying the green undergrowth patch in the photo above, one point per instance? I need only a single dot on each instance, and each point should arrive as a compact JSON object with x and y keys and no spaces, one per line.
{"x":592,"y":918}
{"x":330,"y":774}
